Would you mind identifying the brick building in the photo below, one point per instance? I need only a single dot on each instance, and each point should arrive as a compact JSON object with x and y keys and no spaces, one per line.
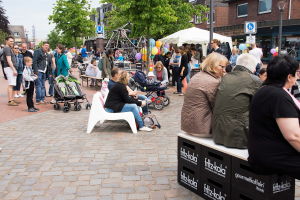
{"x":266,"y":14}
{"x":18,"y":32}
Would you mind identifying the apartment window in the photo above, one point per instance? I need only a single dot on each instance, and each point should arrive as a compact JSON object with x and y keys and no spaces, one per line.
{"x":16,"y":33}
{"x":264,"y":6}
{"x":198,"y":19}
{"x":208,"y":17}
{"x":242,"y":10}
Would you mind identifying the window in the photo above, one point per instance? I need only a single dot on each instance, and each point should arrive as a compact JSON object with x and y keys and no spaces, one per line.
{"x":192,"y":19}
{"x":16,"y":33}
{"x":264,"y":6}
{"x":242,"y":10}
{"x":208,"y":17}
{"x":198,"y":19}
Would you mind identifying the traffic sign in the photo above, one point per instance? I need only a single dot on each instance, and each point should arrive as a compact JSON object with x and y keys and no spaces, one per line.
{"x":250,"y":27}
{"x":250,"y":39}
{"x":99,"y":29}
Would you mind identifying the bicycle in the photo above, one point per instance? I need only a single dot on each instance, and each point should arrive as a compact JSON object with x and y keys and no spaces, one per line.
{"x":293,"y":52}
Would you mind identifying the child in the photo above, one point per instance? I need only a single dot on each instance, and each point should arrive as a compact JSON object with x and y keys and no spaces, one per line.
{"x":121,"y":58}
{"x":104,"y":87}
{"x":28,"y":82}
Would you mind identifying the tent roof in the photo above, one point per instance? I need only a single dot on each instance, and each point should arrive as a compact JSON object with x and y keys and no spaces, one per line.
{"x":194,"y":36}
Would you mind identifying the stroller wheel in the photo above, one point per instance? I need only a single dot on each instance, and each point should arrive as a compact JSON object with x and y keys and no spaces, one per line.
{"x":66,"y":109}
{"x":158,"y":104}
{"x":75,"y":108}
{"x":167,"y":101}
{"x":56,"y":106}
{"x":87,"y":106}
{"x":78,"y":107}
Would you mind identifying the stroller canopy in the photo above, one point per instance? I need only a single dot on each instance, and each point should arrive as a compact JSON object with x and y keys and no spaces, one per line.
{"x":140,"y":77}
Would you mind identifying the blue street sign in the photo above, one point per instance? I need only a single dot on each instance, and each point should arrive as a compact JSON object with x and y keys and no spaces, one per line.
{"x":250,"y":26}
{"x":99,"y":29}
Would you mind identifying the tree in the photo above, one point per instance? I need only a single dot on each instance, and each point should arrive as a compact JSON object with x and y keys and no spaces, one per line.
{"x":72,"y":19}
{"x":53,"y":38}
{"x":4,"y":20}
{"x":152,"y":18}
{"x":2,"y":37}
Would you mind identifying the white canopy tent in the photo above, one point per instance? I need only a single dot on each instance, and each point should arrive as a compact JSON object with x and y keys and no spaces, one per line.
{"x":194,"y":36}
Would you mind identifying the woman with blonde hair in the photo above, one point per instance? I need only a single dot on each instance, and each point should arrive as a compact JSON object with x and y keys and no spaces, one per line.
{"x":118,"y":100}
{"x":196,"y":117}
{"x":160,"y":74}
{"x":183,"y":69}
{"x":232,"y":60}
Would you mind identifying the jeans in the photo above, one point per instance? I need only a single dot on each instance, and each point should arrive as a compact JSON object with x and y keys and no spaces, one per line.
{"x":189,"y":73}
{"x":19,"y":81}
{"x":2,"y":64}
{"x":40,"y":87}
{"x":145,"y":108}
{"x":257,"y":69}
{"x":176,"y":78}
{"x":50,"y":80}
{"x":128,"y":107}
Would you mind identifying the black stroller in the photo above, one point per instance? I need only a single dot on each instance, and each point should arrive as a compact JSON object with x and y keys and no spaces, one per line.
{"x":140,"y":80}
{"x":68,"y":91}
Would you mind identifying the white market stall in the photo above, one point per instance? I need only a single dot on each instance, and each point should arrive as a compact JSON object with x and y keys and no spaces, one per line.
{"x":195,"y":36}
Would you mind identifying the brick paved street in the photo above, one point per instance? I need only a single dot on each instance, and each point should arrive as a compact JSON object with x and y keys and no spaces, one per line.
{"x":49,"y":156}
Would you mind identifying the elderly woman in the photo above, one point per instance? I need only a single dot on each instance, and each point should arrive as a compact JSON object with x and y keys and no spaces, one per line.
{"x":199,"y":100}
{"x":118,"y":100}
{"x":160,"y":74}
{"x":274,"y":132}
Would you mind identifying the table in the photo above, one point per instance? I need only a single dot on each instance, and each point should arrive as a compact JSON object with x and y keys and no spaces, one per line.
{"x":124,"y":62}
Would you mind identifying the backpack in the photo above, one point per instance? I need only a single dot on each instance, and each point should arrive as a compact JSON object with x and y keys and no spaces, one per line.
{"x":100,"y":66}
{"x":149,"y":121}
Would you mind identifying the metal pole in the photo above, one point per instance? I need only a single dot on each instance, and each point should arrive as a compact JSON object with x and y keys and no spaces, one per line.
{"x":211,"y":23}
{"x":280,"y":33}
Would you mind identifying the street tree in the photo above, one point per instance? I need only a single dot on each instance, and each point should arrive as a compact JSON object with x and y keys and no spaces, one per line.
{"x":72,"y":18}
{"x":3,"y":20}
{"x":153,"y":18}
{"x":53,"y":38}
{"x":2,"y":37}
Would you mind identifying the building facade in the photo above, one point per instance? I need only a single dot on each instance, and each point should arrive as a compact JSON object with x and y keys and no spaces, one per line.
{"x":18,"y":32}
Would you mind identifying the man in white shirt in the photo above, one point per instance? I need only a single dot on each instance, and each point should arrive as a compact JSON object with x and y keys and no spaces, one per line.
{"x":258,"y":54}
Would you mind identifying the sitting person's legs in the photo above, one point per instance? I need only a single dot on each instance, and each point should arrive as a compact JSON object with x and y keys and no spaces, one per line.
{"x":135,"y":110}
{"x":143,"y":97}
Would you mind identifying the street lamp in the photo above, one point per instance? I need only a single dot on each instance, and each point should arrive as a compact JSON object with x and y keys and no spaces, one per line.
{"x":281,"y":5}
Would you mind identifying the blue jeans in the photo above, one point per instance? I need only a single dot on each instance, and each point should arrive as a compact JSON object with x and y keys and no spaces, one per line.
{"x":145,"y":108}
{"x":189,"y":73}
{"x":129,"y":107}
{"x":50,"y":80}
{"x":40,"y":87}
{"x":19,"y":81}
{"x":257,"y":69}
{"x":176,"y":77}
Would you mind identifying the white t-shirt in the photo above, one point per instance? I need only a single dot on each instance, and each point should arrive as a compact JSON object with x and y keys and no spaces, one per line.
{"x":256,"y":53}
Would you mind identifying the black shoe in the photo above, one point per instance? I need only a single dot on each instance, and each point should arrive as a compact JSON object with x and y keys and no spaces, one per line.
{"x":36,"y":109}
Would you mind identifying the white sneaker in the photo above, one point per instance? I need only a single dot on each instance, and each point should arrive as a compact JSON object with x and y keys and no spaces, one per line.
{"x":16,"y":96}
{"x":53,"y":101}
{"x":145,"y":129}
{"x":20,"y":95}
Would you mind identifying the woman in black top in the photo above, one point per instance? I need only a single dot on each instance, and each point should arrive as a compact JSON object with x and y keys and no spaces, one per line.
{"x":189,"y":56}
{"x":215,"y":46}
{"x":274,"y":132}
{"x":183,"y":69}
{"x":118,"y":100}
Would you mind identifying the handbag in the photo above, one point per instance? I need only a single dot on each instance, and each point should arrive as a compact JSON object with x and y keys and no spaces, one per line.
{"x":149,"y":120}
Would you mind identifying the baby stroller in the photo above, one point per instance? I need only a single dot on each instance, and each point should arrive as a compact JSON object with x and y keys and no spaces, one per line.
{"x":140,"y":80}
{"x":68,"y":91}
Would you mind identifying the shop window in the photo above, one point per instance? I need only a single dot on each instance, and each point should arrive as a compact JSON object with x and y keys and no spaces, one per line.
{"x":16,"y":34}
{"x":289,"y":44}
{"x":242,"y":10}
{"x":198,"y":19}
{"x":265,"y":43}
{"x":208,"y":17}
{"x":264,"y":6}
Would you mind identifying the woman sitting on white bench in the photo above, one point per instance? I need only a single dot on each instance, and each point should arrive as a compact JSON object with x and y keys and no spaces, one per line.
{"x":92,"y":70}
{"x":118,"y":100}
{"x":274,"y":132}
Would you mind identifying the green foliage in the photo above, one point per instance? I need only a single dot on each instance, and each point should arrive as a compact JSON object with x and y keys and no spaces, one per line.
{"x":55,"y":38}
{"x":72,"y":18}
{"x":4,"y":20}
{"x":2,"y":37}
{"x":40,"y":45}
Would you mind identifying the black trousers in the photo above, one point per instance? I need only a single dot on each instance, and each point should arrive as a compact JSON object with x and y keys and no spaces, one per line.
{"x":29,"y":95}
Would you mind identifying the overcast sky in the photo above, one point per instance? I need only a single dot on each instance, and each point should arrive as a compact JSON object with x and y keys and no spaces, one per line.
{"x":33,"y":12}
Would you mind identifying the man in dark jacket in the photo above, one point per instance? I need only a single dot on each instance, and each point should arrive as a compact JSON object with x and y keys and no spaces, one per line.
{"x":41,"y":66}
{"x":159,"y":57}
{"x":230,"y":120}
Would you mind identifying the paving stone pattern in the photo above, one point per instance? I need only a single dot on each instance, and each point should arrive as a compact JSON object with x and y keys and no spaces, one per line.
{"x":49,"y":156}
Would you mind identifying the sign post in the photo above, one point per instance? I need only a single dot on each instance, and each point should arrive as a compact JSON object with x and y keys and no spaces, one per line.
{"x":250,"y":28}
